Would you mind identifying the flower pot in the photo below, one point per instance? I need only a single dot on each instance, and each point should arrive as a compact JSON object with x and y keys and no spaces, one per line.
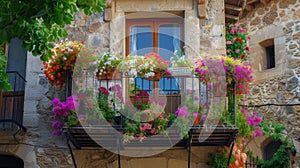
{"x":156,"y":77}
{"x":139,"y":102}
{"x":181,"y":71}
{"x":109,"y":75}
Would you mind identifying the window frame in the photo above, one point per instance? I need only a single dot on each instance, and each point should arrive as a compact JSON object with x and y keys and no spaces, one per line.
{"x":154,"y":23}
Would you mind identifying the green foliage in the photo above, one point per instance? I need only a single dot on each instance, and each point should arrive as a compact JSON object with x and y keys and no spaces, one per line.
{"x":218,"y":160}
{"x":4,"y":85}
{"x":38,"y":23}
{"x":280,"y":159}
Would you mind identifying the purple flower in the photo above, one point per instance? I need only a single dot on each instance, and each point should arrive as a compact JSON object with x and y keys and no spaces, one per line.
{"x":182,"y":112}
{"x":250,"y":121}
{"x":57,"y":125}
{"x":56,"y":133}
{"x":257,"y":120}
{"x":55,"y":101}
{"x":257,"y":132}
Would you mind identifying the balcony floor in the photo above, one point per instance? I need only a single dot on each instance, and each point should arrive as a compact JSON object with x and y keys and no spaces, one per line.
{"x":110,"y":137}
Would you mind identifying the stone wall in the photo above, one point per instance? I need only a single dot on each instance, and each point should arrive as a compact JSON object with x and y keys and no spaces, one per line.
{"x":39,"y":149}
{"x":278,"y":20}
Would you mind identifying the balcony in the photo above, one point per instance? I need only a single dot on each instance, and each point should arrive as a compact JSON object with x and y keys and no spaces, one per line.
{"x":12,"y":103}
{"x":216,"y":126}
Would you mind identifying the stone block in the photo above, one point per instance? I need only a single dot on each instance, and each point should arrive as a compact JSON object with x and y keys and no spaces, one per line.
{"x":293,"y":63}
{"x":30,"y":106}
{"x":296,"y":36}
{"x":31,"y":120}
{"x":94,"y":27}
{"x":202,"y":11}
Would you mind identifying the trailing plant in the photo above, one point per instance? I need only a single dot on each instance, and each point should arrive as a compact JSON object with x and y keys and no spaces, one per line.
{"x":236,"y":41}
{"x":4,"y":84}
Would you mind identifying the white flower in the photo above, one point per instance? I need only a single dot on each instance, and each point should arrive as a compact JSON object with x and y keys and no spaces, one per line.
{"x":149,"y":74}
{"x":175,"y":52}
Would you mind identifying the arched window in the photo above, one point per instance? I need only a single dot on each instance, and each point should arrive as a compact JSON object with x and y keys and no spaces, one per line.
{"x":270,"y":149}
{"x":10,"y":161}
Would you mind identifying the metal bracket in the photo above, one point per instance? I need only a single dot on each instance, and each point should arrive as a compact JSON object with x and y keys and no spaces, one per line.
{"x":71,"y":151}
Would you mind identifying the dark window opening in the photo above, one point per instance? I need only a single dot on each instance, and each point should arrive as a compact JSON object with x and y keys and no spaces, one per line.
{"x":270,"y":51}
{"x":10,"y":161}
{"x":270,"y":149}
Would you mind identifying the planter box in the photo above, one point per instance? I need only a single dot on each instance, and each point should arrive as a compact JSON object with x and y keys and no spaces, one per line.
{"x":180,"y":71}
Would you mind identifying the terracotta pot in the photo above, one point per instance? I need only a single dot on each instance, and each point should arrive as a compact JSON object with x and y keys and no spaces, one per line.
{"x":110,"y":75}
{"x":156,"y":77}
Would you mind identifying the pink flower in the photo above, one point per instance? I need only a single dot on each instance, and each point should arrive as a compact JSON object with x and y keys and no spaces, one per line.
{"x":233,"y":30}
{"x":237,"y":51}
{"x":55,"y":101}
{"x":237,"y":24}
{"x":228,"y":42}
{"x":196,"y":115}
{"x":182,"y":112}
{"x":242,"y":30}
{"x":227,"y":51}
{"x":257,"y":132}
{"x":103,"y":90}
{"x":159,"y":127}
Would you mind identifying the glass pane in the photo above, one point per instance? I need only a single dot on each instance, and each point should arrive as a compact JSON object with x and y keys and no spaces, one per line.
{"x":141,"y":44}
{"x":169,"y":42}
{"x":140,"y":40}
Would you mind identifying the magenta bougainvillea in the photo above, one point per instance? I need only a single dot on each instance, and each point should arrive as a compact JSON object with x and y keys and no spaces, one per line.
{"x":61,"y":110}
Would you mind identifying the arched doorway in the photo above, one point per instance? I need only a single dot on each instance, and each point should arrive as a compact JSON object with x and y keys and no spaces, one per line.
{"x":10,"y":161}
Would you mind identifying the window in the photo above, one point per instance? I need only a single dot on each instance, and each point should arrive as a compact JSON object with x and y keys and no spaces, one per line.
{"x":269,"y":54}
{"x":270,"y":51}
{"x":270,"y":149}
{"x":163,"y":36}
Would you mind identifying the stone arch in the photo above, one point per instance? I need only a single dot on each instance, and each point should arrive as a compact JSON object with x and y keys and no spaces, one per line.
{"x":269,"y":147}
{"x":9,"y":160}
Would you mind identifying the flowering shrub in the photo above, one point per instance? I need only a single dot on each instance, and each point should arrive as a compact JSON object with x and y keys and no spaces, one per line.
{"x":65,"y":56}
{"x":64,"y":114}
{"x":151,"y":65}
{"x":142,"y":123}
{"x":148,"y":66}
{"x":239,"y":157}
{"x":107,"y":63}
{"x":187,"y":113}
{"x":210,"y":69}
{"x":236,"y":41}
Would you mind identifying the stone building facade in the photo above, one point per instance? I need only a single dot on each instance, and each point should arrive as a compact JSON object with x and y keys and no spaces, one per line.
{"x":203,"y":35}
{"x":106,"y":32}
{"x":275,"y":24}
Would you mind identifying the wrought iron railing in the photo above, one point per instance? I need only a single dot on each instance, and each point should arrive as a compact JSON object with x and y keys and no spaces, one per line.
{"x":12,"y":102}
{"x":172,"y":89}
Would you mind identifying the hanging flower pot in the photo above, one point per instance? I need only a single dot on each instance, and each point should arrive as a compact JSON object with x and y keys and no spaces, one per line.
{"x":109,"y":75}
{"x":156,"y":77}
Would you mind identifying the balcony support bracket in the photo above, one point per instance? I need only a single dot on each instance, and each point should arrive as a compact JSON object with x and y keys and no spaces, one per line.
{"x":71,"y":151}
